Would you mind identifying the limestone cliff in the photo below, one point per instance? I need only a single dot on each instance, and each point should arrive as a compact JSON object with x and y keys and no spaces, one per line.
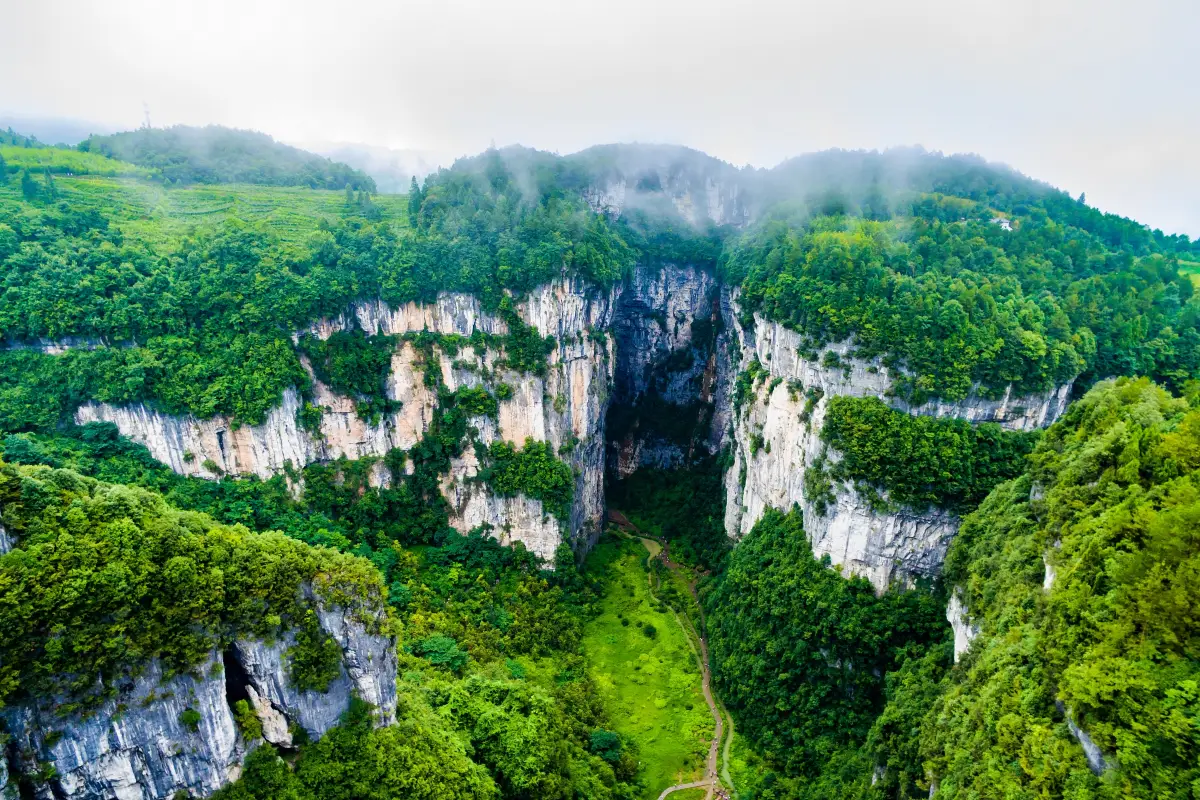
{"x":166,"y":733}
{"x":668,"y":180}
{"x":776,"y":437}
{"x":965,"y":631}
{"x":566,"y":407}
{"x":664,"y":327}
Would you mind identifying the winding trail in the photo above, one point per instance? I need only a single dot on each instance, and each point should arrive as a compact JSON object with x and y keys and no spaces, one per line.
{"x":711,"y":780}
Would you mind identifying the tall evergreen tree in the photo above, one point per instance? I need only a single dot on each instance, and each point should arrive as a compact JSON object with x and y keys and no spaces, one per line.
{"x":49,"y":190}
{"x":29,"y":187}
{"x":415,"y":198}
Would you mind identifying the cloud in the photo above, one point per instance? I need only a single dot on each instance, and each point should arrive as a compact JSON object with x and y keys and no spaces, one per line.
{"x":1092,"y":95}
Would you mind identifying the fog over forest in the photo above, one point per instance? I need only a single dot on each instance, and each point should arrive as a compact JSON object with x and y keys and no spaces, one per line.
{"x":1095,"y":97}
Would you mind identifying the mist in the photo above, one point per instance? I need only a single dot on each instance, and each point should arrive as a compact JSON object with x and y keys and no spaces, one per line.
{"x":1096,"y":97}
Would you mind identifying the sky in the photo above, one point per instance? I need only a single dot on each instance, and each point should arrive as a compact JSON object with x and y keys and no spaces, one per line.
{"x":1095,"y":96}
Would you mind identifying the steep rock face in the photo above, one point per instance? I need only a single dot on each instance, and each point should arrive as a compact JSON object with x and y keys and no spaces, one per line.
{"x":140,"y":745}
{"x":663,"y":326}
{"x":776,"y":437}
{"x":700,"y":199}
{"x":367,"y":671}
{"x":8,"y":791}
{"x":136,"y":746}
{"x":565,"y":407}
{"x":665,"y":180}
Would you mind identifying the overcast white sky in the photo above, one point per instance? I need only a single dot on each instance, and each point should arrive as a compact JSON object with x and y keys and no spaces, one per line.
{"x":1091,"y":95}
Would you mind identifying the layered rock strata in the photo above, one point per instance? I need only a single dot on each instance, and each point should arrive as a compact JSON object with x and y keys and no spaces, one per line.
{"x":776,"y":438}
{"x":165,"y":733}
{"x":565,"y":407}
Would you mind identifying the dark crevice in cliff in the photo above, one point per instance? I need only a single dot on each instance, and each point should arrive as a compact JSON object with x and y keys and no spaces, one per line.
{"x":236,"y":679}
{"x":661,"y":413}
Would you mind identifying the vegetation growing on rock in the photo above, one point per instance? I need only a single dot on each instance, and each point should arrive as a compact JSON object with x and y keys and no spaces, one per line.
{"x":919,"y":460}
{"x":105,"y":577}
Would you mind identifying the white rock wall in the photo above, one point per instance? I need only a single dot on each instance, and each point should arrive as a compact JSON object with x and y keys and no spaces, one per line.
{"x":699,"y":199}
{"x":143,"y":753}
{"x":566,"y":407}
{"x":885,"y":547}
{"x":965,"y":631}
{"x":137,"y":747}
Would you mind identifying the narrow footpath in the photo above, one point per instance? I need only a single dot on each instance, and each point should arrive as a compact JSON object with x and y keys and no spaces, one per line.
{"x":711,"y":780}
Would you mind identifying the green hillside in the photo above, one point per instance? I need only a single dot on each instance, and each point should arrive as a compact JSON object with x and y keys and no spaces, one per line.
{"x":187,"y":261}
{"x":213,"y":154}
{"x":1111,"y":502}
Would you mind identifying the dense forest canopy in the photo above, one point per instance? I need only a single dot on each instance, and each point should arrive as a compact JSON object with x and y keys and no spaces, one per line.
{"x":1110,"y":508}
{"x":958,"y":275}
{"x":1007,"y":282}
{"x":1081,"y":576}
{"x":106,"y":577}
{"x":800,"y":652}
{"x":918,"y":461}
{"x":213,"y":154}
{"x":956,"y":296}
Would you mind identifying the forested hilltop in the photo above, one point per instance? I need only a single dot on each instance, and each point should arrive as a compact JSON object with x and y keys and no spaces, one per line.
{"x":184,"y":271}
{"x":960,"y":273}
{"x":186,"y":155}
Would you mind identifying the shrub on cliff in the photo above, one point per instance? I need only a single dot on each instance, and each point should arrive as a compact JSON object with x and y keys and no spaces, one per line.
{"x":103,"y":578}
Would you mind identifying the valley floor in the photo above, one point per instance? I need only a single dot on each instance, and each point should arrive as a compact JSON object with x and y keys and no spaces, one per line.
{"x":646,"y":669}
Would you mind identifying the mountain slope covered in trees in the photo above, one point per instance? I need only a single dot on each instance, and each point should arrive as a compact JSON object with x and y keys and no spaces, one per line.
{"x":191,"y":296}
{"x":1081,"y":577}
{"x":214,"y":154}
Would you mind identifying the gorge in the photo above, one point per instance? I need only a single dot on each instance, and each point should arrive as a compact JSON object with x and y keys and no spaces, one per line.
{"x":421,"y":408}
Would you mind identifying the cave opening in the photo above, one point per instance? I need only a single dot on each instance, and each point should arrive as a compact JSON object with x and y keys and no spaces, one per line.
{"x":237,"y":681}
{"x":669,"y":414}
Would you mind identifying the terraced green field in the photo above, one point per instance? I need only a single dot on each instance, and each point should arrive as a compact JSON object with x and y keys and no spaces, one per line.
{"x":650,"y":684}
{"x":1192,"y":270}
{"x":147,"y":210}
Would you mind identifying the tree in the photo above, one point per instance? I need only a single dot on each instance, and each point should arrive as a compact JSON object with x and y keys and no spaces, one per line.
{"x":29,"y":187}
{"x":49,"y":189}
{"x":3,"y":169}
{"x":415,"y":198}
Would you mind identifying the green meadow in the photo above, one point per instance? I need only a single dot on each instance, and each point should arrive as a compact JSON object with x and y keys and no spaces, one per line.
{"x":646,"y":669}
{"x":150,"y":211}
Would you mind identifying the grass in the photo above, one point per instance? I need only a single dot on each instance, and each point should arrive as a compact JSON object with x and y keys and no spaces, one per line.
{"x":1192,"y":270}
{"x":62,"y":162}
{"x":161,"y":216}
{"x":646,"y":683}
{"x":745,"y":766}
{"x":688,"y":794}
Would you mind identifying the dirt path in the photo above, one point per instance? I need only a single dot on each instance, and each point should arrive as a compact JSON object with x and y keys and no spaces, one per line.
{"x":711,"y":780}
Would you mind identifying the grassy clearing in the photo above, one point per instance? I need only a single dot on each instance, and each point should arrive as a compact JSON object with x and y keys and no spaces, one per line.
{"x":650,"y":685}
{"x":61,"y":162}
{"x":1192,"y":270}
{"x":688,"y":794}
{"x":150,"y":212}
